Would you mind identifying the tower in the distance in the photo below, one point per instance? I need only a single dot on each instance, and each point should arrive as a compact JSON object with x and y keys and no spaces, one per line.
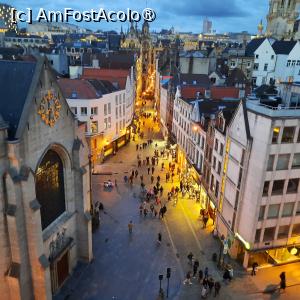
{"x":283,"y":19}
{"x":207,"y":26}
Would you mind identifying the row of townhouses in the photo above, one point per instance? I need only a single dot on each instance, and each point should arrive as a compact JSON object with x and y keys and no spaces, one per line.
{"x":244,"y":158}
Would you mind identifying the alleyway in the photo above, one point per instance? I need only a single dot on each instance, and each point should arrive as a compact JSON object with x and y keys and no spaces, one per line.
{"x":125,"y":266}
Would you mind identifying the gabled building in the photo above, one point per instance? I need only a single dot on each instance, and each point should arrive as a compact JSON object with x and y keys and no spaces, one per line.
{"x":45,"y":220}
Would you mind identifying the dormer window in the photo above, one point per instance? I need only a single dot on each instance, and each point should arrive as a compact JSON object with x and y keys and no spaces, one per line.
{"x":74,"y":95}
{"x":194,"y":82}
{"x":221,"y":123}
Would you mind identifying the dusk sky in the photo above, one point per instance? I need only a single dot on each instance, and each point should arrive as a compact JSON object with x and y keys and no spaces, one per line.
{"x":184,"y":15}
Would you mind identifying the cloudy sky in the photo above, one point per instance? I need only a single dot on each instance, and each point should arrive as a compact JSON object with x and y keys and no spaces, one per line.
{"x":184,"y":15}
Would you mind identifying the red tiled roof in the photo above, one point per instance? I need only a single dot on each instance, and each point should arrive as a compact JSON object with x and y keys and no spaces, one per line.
{"x":220,"y":92}
{"x":83,"y":88}
{"x":189,"y":92}
{"x":112,"y":75}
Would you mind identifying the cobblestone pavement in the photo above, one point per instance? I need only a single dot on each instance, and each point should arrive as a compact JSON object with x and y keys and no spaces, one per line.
{"x":126,"y":267}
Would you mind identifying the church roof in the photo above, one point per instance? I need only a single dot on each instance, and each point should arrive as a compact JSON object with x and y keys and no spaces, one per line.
{"x":15,"y":82}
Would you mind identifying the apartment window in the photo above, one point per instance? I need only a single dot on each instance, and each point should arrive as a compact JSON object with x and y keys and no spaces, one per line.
{"x":296,"y":161}
{"x":269,"y":234}
{"x":275,"y":135}
{"x":266,"y":188}
{"x":120,"y":111}
{"x":124,"y":98}
{"x":105,"y":123}
{"x":216,"y":145}
{"x":288,"y":135}
{"x":296,"y":230}
{"x":256,"y":56}
{"x":255,"y":66}
{"x":117,"y":112}
{"x":105,"y":109}
{"x":233,"y":64}
{"x":212,"y":183}
{"x":272,"y":57}
{"x":74,"y":110}
{"x":94,"y":127}
{"x":298,"y":208}
{"x":116,"y":99}
{"x":248,"y":64}
{"x":219,"y":167}
{"x":214,"y":162}
{"x":266,"y":67}
{"x":293,"y":186}
{"x":117,"y":128}
{"x":298,"y":62}
{"x":270,"y":162}
{"x":109,"y":122}
{"x":283,"y":232}
{"x":257,"y":235}
{"x":293,"y":63}
{"x":288,"y":63}
{"x":261,"y":215}
{"x":83,"y":111}
{"x":288,"y":209}
{"x":109,"y":108}
{"x":277,"y":187}
{"x":273,"y":211}
{"x":94,"y":111}
{"x":283,"y":162}
{"x":123,"y":109}
{"x":217,"y":189}
{"x":221,"y":149}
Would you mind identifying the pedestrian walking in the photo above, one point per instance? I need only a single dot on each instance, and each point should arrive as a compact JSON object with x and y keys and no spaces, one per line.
{"x":155,"y":213}
{"x":159,"y":238}
{"x":142,"y":178}
{"x":254,"y":268}
{"x":195,"y":268}
{"x":205,"y":220}
{"x":130,"y":226}
{"x":157,"y":161}
{"x":217,"y":288}
{"x":161,"y":190}
{"x":153,"y":170}
{"x":148,"y":170}
{"x":211,"y":284}
{"x":204,"y":292}
{"x":137,"y":147}
{"x":152,"y":179}
{"x":141,"y":210}
{"x":200,"y":276}
{"x":282,"y":281}
{"x":145,"y":212}
{"x":206,"y":272}
{"x":187,"y":278}
{"x":136,"y":173}
{"x":152,"y":208}
{"x":125,"y":179}
{"x":190,"y":258}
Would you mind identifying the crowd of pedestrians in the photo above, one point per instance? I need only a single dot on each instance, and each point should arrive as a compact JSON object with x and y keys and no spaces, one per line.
{"x":206,"y":282}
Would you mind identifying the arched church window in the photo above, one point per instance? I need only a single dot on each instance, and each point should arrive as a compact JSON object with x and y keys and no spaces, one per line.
{"x":49,"y":186}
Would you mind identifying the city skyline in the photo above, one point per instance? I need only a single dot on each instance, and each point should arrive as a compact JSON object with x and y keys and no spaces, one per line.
{"x":227,"y":16}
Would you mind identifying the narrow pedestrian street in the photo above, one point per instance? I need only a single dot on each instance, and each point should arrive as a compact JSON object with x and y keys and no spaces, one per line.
{"x":126,"y":266}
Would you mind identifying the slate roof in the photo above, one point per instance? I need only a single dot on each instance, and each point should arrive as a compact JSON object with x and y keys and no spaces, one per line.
{"x":283,"y":47}
{"x":195,"y":79}
{"x":113,"y":75}
{"x":15,"y":82}
{"x":110,"y":60}
{"x":236,"y":76}
{"x":208,"y":107}
{"x":85,"y":89}
{"x":253,"y":45}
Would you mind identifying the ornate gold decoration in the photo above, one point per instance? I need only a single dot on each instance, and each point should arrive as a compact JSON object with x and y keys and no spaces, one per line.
{"x":49,"y":108}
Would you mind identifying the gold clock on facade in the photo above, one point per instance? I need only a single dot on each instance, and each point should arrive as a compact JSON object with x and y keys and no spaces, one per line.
{"x":49,"y":109}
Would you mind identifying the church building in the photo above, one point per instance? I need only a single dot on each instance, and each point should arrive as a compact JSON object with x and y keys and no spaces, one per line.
{"x":45,"y":221}
{"x":283,"y":19}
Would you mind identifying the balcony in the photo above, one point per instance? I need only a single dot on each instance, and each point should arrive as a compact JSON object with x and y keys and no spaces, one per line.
{"x":273,"y":112}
